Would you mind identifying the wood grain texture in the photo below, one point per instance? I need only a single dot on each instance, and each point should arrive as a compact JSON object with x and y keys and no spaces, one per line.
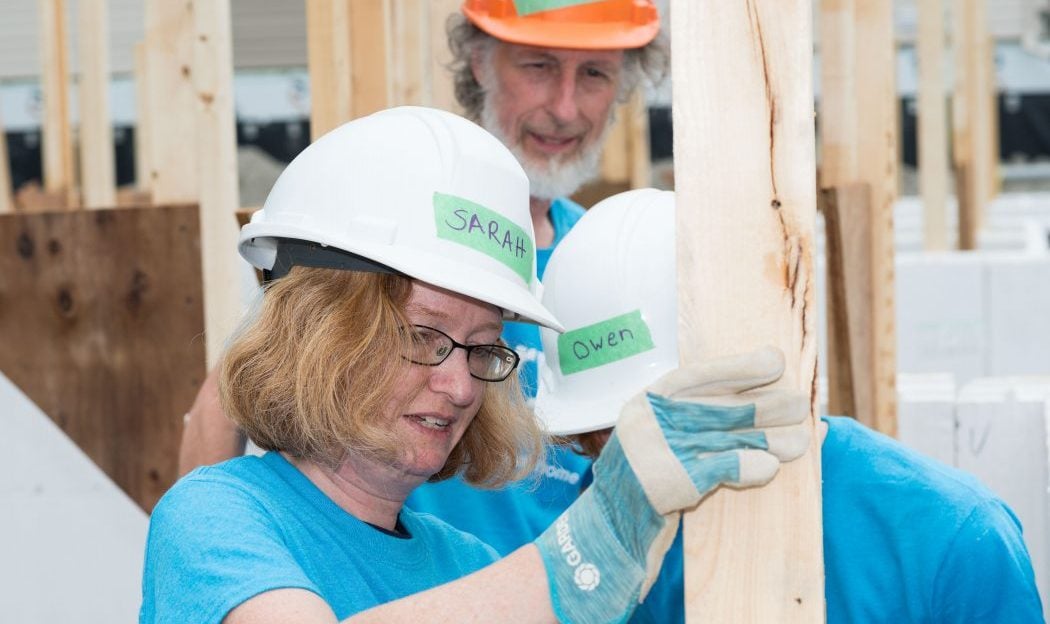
{"x":933,"y":126}
{"x":97,"y":159}
{"x":328,"y":56}
{"x":217,"y":162}
{"x":847,"y":227}
{"x":57,"y":147}
{"x":143,"y":148}
{"x":171,"y":100}
{"x":7,"y":196}
{"x":744,"y":171}
{"x":859,"y":146}
{"x":370,"y":86}
{"x":101,"y":320}
{"x":440,"y":91}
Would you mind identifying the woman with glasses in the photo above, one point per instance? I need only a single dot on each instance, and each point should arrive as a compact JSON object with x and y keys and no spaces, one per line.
{"x":396,"y":246}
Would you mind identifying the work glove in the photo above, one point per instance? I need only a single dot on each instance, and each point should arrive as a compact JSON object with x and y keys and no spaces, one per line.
{"x":698,"y":427}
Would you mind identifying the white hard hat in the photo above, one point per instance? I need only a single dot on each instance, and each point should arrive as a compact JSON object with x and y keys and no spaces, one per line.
{"x":611,"y":282}
{"x":409,"y":190}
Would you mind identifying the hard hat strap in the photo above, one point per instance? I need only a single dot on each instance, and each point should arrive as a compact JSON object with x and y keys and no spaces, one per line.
{"x":292,"y":252}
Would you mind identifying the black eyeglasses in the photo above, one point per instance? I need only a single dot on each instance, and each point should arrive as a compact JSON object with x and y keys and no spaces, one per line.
{"x":487,"y":362}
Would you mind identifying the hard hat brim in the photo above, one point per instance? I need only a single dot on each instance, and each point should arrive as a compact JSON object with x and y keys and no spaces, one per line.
{"x":599,"y":36}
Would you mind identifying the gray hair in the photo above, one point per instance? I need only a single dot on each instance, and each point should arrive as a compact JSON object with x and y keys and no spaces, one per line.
{"x":649,"y":63}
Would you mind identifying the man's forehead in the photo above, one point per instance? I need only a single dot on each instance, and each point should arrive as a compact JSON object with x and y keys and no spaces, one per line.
{"x":579,"y":56}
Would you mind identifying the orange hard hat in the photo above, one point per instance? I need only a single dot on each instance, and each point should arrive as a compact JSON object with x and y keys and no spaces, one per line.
{"x":580,"y":24}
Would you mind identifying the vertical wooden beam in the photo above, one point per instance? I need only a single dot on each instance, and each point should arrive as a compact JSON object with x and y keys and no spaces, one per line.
{"x":143,"y":148}
{"x":328,"y":56}
{"x":58,"y":143}
{"x":641,"y":167}
{"x":615,"y":165}
{"x":858,"y":138}
{"x":7,"y":197}
{"x":97,"y":177}
{"x":877,"y":162}
{"x":744,"y":170}
{"x":217,"y":161}
{"x":169,"y":77}
{"x":441,"y":92}
{"x":838,"y":80}
{"x":933,"y":126}
{"x":369,"y":58}
{"x":408,"y":54}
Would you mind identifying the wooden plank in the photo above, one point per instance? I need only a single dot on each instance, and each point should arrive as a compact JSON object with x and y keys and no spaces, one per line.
{"x":408,"y":55}
{"x":933,"y":145}
{"x":838,"y":97}
{"x":744,"y":169}
{"x":7,"y":196}
{"x":217,"y":158}
{"x":851,"y":344}
{"x":641,"y":165}
{"x":440,"y":92}
{"x":57,"y":145}
{"x":971,"y":112}
{"x":615,"y":165}
{"x":877,"y":164}
{"x":328,"y":56}
{"x":859,"y":146}
{"x":170,"y":92}
{"x":142,"y":121}
{"x":101,"y":328}
{"x":369,"y":56}
{"x":97,"y":177}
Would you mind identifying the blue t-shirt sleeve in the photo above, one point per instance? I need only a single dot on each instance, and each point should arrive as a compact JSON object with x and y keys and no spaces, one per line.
{"x":203,"y":559}
{"x":987,"y":575}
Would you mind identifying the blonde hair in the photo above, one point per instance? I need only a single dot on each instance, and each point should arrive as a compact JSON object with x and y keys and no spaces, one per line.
{"x":313,"y":371}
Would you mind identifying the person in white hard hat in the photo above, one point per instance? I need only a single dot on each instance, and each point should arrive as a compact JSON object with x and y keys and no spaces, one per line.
{"x":396,"y":245}
{"x":545,"y":78}
{"x":905,"y":538}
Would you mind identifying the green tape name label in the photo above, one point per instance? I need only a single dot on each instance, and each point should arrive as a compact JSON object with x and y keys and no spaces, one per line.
{"x":603,"y":342}
{"x":475,"y":226}
{"x":527,"y":7}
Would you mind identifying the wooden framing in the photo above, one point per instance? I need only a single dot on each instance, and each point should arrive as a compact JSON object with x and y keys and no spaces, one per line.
{"x":328,"y":56}
{"x":97,"y":158}
{"x":439,"y":90}
{"x":974,"y":156}
{"x":933,"y":125}
{"x":217,"y":159}
{"x":143,"y":169}
{"x":859,"y":146}
{"x":409,"y":54}
{"x":57,"y":145}
{"x":370,"y":57}
{"x":101,"y":328}
{"x":7,"y":197}
{"x":745,"y":166}
{"x":170,"y":93}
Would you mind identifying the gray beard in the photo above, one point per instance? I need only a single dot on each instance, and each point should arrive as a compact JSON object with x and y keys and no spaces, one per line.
{"x":554,"y":178}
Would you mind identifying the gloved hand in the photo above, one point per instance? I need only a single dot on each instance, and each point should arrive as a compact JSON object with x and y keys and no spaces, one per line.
{"x":696,"y":428}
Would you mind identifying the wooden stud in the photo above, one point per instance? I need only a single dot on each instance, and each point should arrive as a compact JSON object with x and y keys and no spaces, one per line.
{"x":615,"y":166}
{"x":933,"y":124}
{"x":142,"y":121}
{"x":217,"y":160}
{"x":859,"y":146}
{"x":368,"y":52}
{"x":744,"y":171}
{"x":838,"y":79}
{"x":7,"y":197}
{"x":851,"y":379}
{"x":439,"y":88}
{"x":408,"y":54}
{"x":641,"y":165}
{"x":171,"y":101}
{"x":328,"y":56}
{"x":97,"y":159}
{"x":57,"y":145}
{"x":101,"y":329}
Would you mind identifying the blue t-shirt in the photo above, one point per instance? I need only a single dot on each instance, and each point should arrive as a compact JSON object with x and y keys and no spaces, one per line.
{"x":508,"y":518}
{"x":906,"y":539}
{"x":228,"y":532}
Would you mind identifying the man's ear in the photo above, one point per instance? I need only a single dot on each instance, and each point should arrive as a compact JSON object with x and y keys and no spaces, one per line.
{"x":477,"y":62}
